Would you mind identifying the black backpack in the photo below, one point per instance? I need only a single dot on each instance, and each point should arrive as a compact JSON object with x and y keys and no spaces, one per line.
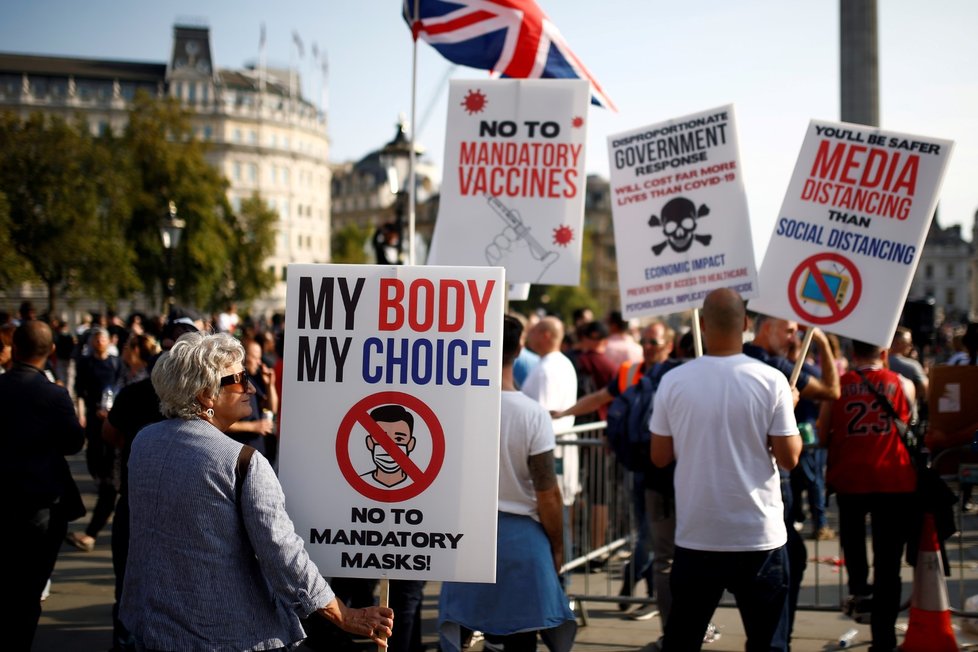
{"x":628,"y":427}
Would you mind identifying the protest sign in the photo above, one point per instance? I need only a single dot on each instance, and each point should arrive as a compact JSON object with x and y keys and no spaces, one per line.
{"x":854,"y":219}
{"x":513,"y":189}
{"x":390,"y":428}
{"x":680,"y":213}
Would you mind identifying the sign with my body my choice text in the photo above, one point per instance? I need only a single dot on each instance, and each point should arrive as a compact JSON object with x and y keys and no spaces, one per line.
{"x":680,"y":213}
{"x":513,"y":188}
{"x":851,"y":228}
{"x":390,"y":429}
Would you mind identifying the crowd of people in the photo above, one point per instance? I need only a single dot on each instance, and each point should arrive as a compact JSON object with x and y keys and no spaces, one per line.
{"x":205,"y":394}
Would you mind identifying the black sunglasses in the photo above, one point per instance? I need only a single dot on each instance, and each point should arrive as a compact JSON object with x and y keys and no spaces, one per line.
{"x":239,"y":379}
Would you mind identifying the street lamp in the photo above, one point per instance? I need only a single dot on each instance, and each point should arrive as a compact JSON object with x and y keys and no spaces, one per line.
{"x":395,"y":157}
{"x":171,"y":228}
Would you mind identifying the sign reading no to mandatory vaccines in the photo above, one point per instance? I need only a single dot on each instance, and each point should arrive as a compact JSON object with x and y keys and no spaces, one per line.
{"x":514,"y":183}
{"x":680,"y":213}
{"x":852,"y":225}
{"x":390,"y":427}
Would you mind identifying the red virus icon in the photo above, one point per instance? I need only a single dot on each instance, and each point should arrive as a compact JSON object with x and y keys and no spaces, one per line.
{"x":577,"y":122}
{"x":474,"y":102}
{"x":563,"y":235}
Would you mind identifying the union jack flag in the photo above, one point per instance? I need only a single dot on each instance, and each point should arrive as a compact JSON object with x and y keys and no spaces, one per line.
{"x":513,"y":38}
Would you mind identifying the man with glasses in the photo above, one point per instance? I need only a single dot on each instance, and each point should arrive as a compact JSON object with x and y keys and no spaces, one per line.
{"x":259,"y":381}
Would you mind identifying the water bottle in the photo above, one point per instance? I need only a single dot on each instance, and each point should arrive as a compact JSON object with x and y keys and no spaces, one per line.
{"x":848,"y":639}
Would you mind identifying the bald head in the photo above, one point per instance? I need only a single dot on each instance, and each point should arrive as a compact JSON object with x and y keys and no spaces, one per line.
{"x":547,"y":335}
{"x":724,"y":310}
{"x":33,"y":343}
{"x":724,"y":319}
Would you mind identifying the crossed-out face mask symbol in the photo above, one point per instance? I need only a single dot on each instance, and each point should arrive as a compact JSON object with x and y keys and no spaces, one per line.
{"x":398,"y":426}
{"x":678,"y":222}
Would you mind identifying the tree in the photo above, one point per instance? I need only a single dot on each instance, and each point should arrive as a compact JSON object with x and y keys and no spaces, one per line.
{"x":61,"y":215}
{"x":349,"y":244}
{"x":167,"y":163}
{"x":253,"y":230}
{"x":13,"y":267}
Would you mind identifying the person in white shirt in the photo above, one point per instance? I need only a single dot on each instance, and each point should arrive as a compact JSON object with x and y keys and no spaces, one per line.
{"x":553,"y":384}
{"x":728,"y":421}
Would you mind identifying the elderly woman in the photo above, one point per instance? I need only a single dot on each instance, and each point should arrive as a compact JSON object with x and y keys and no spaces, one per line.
{"x":214,"y":560}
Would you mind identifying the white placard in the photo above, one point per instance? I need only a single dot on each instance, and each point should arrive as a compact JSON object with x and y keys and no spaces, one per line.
{"x":390,"y":430}
{"x":854,"y":219}
{"x":680,"y":213}
{"x":513,"y":189}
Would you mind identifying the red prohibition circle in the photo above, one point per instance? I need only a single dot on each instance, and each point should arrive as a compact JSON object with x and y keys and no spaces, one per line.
{"x":838,"y":312}
{"x":421,"y":479}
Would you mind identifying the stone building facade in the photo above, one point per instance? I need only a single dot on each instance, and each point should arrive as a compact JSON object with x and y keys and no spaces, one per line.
{"x":263,"y":135}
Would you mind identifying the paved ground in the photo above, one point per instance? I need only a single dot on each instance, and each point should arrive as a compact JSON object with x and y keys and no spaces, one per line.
{"x":78,"y":614}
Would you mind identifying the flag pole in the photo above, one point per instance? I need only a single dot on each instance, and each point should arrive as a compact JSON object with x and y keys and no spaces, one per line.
{"x":412,"y":193}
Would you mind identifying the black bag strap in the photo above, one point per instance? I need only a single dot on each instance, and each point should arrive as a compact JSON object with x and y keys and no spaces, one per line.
{"x":241,"y":471}
{"x":903,"y":429}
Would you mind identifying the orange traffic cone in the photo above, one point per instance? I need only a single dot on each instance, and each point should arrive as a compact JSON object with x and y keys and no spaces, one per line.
{"x":929,"y":629}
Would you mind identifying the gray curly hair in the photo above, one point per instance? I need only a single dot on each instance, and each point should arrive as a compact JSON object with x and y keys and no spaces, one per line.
{"x":192,"y":366}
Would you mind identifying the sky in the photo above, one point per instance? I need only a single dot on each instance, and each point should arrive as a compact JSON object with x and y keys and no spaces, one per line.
{"x":776,"y":61}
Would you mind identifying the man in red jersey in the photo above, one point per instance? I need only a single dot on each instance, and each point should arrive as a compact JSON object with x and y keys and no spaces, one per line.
{"x":872,"y":472}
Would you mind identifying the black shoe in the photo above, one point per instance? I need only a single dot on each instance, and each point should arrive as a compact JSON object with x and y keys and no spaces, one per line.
{"x":859,"y":608}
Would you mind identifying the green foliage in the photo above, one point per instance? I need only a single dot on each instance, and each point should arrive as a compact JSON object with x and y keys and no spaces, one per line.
{"x":349,"y":244}
{"x":13,"y":267}
{"x":166,"y":163}
{"x":82,"y":213}
{"x":253,"y":241}
{"x":63,"y":205}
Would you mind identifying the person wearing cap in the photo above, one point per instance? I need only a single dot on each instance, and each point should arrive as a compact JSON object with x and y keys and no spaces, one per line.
{"x":214,"y":559}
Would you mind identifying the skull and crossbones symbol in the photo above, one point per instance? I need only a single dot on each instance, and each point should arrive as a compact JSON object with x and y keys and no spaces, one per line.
{"x":678,"y":222}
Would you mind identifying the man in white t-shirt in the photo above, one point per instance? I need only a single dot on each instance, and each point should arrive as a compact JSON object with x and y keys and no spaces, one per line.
{"x":727,"y":420}
{"x":553,"y":384}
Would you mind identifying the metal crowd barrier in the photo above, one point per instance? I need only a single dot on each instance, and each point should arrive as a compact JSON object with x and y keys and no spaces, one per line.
{"x":603,"y":529}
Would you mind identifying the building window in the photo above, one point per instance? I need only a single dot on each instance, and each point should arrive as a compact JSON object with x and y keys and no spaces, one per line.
{"x":237,"y":135}
{"x":208,"y":132}
{"x":253,"y":137}
{"x":253,"y":172}
{"x":285,"y":176}
{"x":950,"y":271}
{"x":928,"y":271}
{"x":191,"y":92}
{"x":237,"y":171}
{"x":950,"y":301}
{"x":284,"y":273}
{"x":205,"y":93}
